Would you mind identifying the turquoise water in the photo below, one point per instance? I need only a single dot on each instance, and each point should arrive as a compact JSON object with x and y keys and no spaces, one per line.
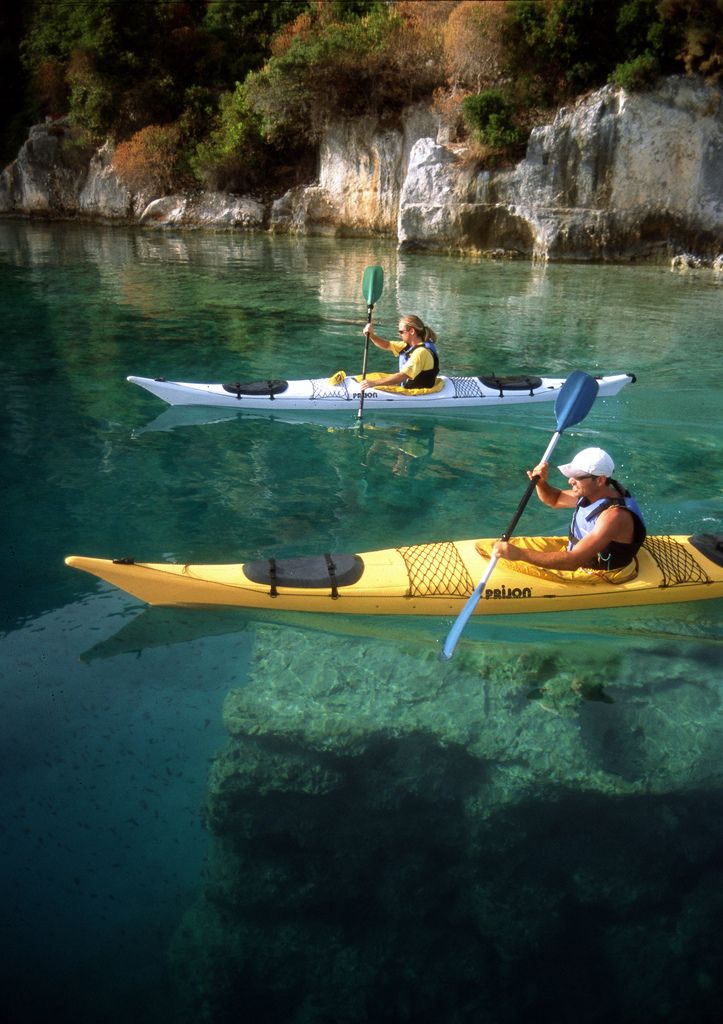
{"x":111,"y":713}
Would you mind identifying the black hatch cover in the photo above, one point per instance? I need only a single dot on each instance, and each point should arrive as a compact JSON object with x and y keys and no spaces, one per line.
{"x":710,"y":545}
{"x":259,"y":387}
{"x":503,"y":384}
{"x":319,"y":571}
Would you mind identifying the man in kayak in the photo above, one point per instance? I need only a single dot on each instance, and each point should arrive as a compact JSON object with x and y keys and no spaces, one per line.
{"x":607,"y":527}
{"x":418,"y":356}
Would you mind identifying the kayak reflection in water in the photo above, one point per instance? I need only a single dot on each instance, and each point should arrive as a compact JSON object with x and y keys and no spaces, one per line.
{"x":607,"y":527}
{"x":402,"y":452}
{"x":417,"y":353}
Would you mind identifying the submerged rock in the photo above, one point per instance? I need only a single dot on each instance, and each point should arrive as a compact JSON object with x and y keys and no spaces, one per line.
{"x":391,"y":831}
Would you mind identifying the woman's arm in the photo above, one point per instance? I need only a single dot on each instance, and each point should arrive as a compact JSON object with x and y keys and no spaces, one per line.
{"x":385,"y":382}
{"x":374,"y":338}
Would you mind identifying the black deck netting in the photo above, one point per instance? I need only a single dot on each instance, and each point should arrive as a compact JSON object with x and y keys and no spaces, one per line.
{"x":465,"y":387}
{"x":321,"y":388}
{"x":436,"y":569}
{"x":676,"y":564}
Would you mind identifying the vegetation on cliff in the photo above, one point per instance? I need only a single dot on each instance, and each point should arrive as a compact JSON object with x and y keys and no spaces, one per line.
{"x":235,"y":94}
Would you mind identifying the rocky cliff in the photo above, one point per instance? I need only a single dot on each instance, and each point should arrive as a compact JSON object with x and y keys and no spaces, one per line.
{"x":617,"y":176}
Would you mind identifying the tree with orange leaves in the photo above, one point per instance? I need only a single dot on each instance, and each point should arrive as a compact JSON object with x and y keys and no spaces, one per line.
{"x":474,"y":48}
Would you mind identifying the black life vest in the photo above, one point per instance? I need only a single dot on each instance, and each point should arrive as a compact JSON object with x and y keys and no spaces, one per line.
{"x":616,"y":554}
{"x":425,"y":379}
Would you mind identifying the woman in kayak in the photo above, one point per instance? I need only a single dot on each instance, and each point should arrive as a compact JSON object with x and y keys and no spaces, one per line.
{"x":607,"y":527}
{"x":418,"y":357}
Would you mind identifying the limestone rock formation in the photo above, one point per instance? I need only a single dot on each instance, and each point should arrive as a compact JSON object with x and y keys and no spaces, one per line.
{"x":362,"y":165}
{"x":103,"y":194}
{"x":44,"y":179}
{"x":53,"y":177}
{"x":617,"y":176}
{"x":207,"y":209}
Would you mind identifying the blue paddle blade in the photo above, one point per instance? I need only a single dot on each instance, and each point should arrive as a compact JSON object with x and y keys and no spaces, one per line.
{"x":575,"y":400}
{"x":372,"y":284}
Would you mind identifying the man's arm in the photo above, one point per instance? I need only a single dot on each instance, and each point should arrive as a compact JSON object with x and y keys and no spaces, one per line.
{"x":611,"y":524}
{"x":555,"y":497}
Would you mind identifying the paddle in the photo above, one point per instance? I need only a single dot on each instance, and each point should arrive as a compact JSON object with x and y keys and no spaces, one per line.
{"x":573,"y":404}
{"x":372,"y":284}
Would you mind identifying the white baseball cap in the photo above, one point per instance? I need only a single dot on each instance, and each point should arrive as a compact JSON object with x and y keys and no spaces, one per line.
{"x":589,"y":462}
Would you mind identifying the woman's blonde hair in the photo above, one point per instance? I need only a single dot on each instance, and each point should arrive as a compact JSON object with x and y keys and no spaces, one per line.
{"x":425,"y":333}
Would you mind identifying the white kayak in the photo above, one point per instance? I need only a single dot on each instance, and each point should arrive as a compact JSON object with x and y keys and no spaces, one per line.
{"x":341,"y":393}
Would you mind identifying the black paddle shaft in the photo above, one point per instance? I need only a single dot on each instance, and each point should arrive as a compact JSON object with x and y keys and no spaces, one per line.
{"x":366,"y":345}
{"x":360,"y":411}
{"x":520,"y":508}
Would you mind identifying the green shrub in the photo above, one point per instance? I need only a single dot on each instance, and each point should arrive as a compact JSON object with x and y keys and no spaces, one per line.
{"x":489,"y":117}
{"x":233,"y":156}
{"x":567,"y":46}
{"x":380,"y":61}
{"x":637,"y":74}
{"x":91,"y":96}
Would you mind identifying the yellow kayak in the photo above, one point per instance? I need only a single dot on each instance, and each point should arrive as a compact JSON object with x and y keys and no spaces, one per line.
{"x":424,"y":579}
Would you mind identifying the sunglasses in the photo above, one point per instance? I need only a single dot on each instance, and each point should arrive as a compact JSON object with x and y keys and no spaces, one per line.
{"x":587,"y":476}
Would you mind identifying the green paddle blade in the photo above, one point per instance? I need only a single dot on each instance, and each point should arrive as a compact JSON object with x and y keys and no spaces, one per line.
{"x":372,"y":284}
